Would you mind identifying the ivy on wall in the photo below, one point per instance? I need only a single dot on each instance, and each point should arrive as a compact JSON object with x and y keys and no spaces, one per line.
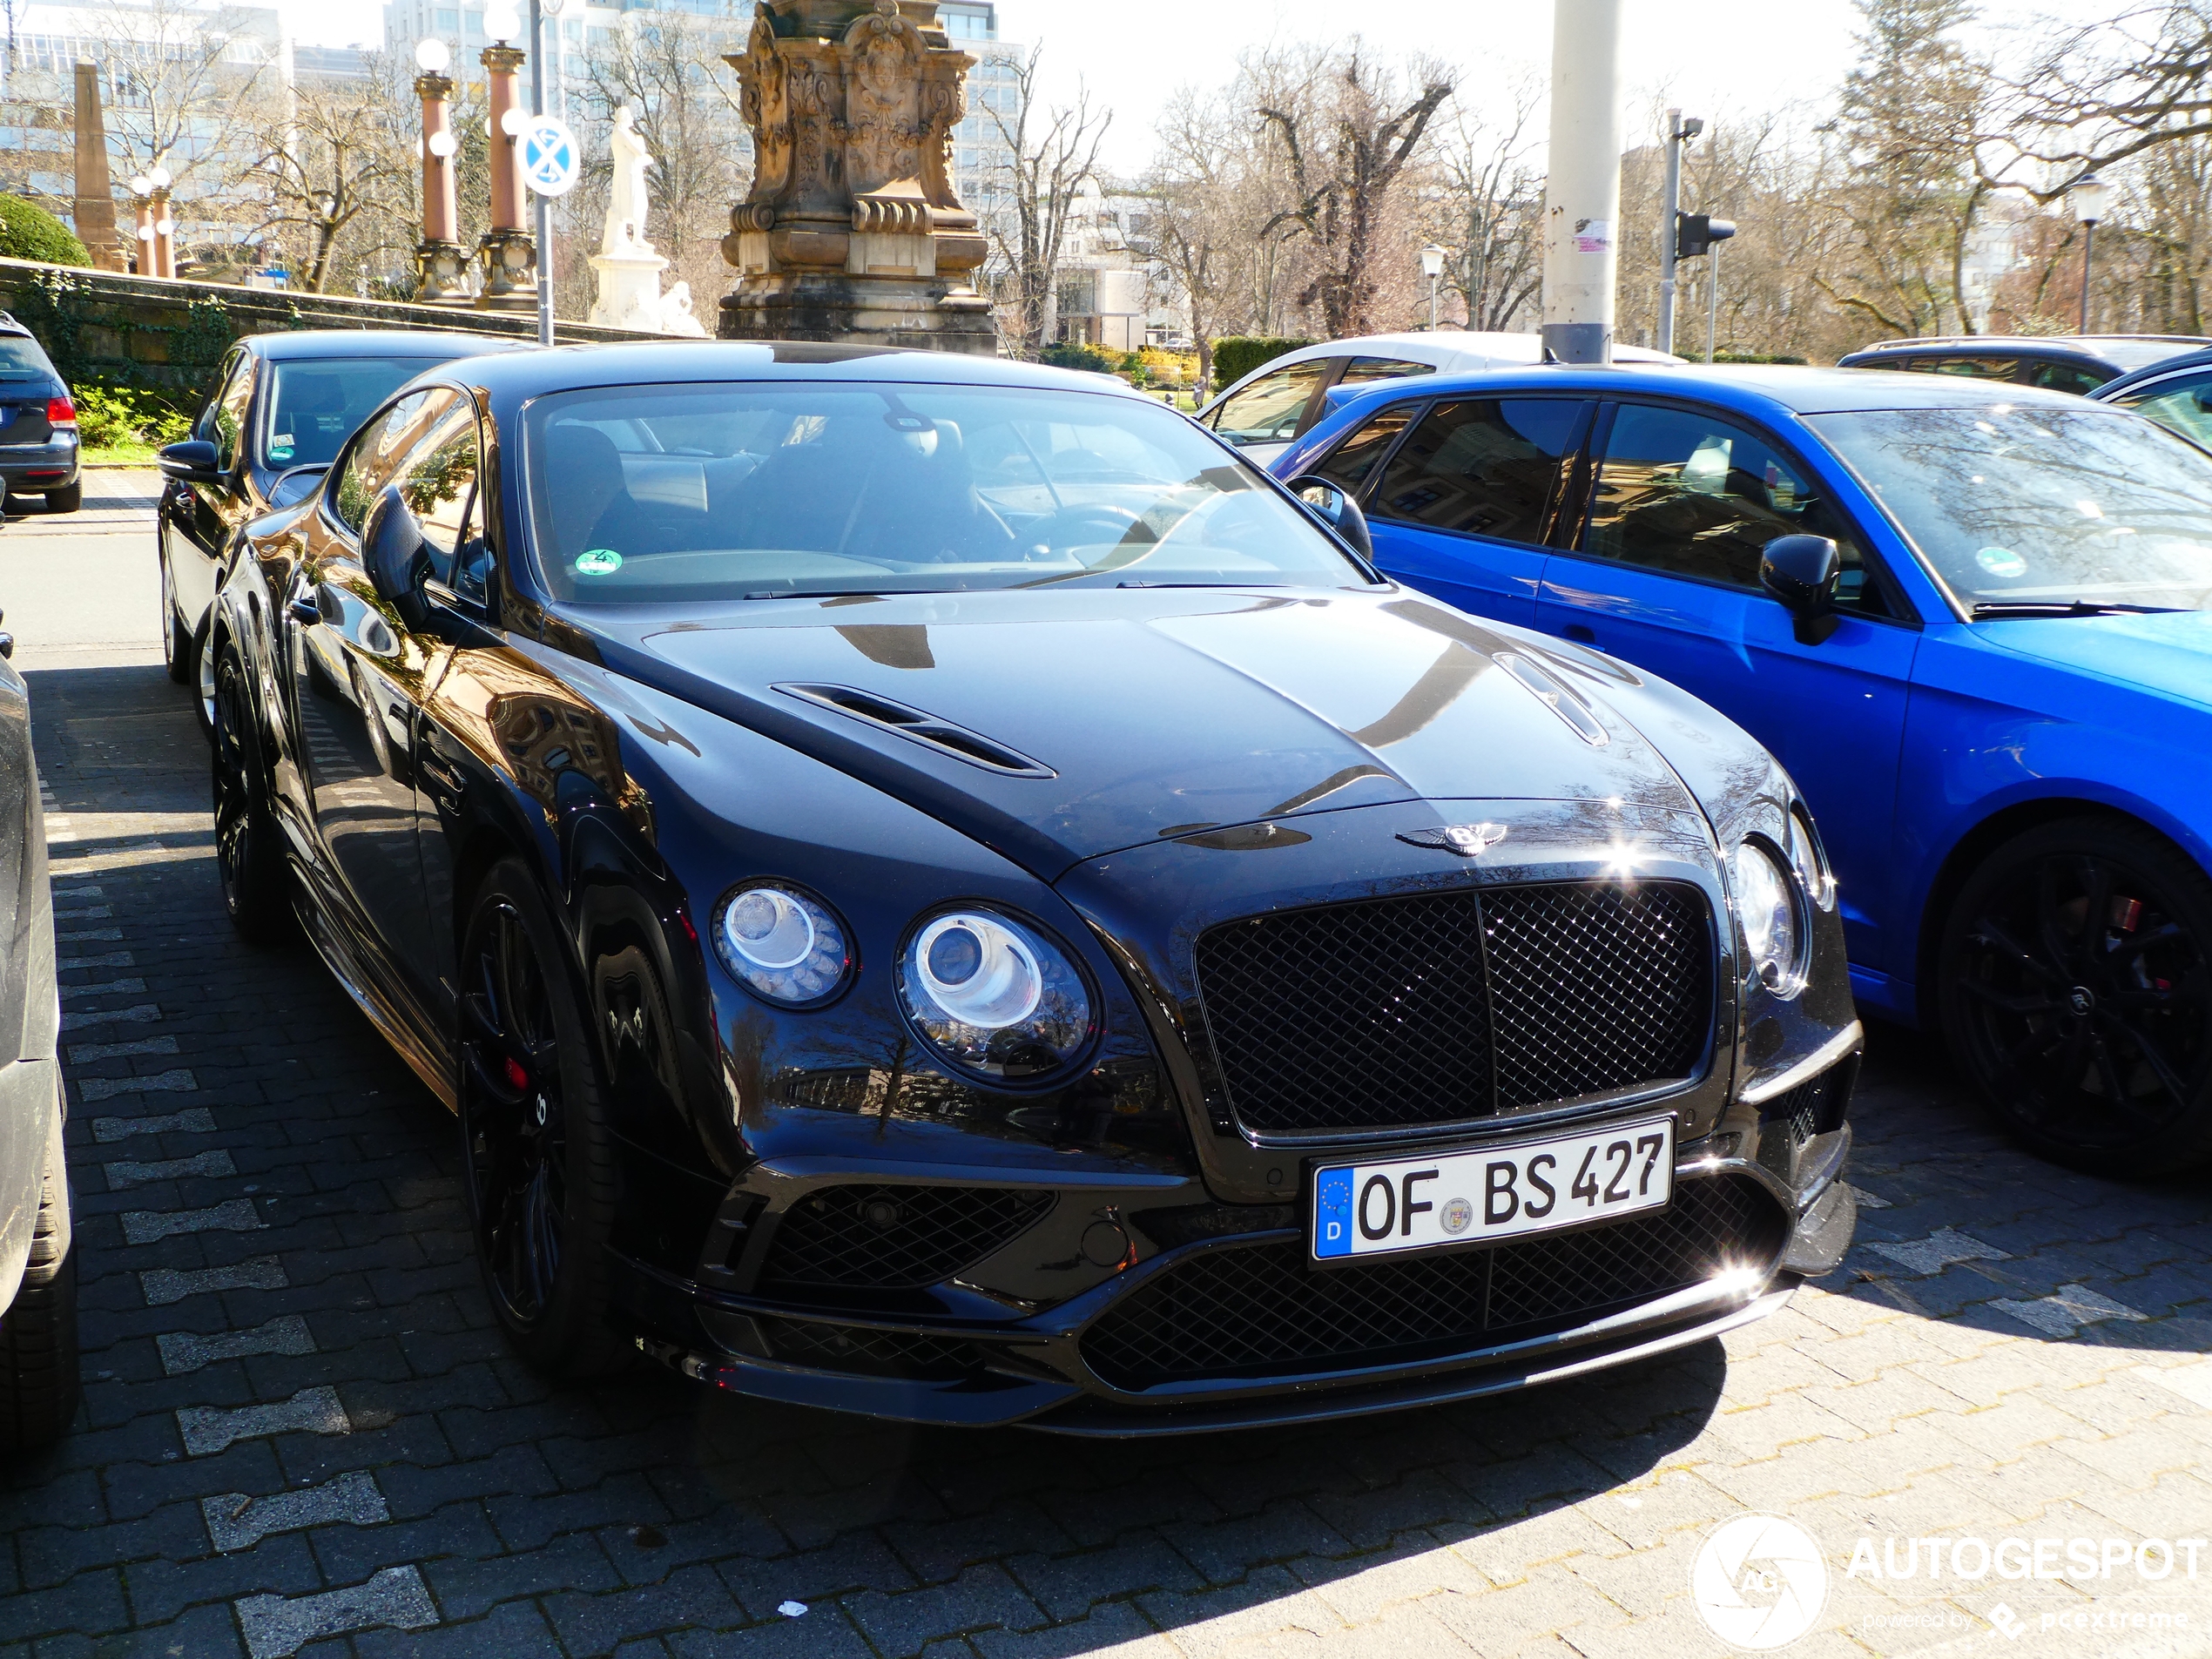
{"x":61,"y":311}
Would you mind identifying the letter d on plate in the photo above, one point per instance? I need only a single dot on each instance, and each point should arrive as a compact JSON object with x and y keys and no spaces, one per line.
{"x":1332,"y":1214}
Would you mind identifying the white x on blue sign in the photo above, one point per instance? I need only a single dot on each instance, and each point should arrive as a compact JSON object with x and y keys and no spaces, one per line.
{"x":549,"y":162}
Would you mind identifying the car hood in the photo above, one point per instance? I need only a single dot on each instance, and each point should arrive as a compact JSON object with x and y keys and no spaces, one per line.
{"x":1149,"y":713}
{"x":2169,"y":652}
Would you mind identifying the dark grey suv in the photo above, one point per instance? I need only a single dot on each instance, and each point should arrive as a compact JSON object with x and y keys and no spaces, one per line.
{"x":38,"y":453}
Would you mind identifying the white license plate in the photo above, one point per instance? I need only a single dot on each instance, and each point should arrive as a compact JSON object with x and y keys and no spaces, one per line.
{"x":1494,"y":1192}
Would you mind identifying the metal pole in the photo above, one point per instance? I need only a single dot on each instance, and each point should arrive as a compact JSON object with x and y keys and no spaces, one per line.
{"x":544,"y":207}
{"x":1669,"y":232}
{"x":2088,"y":243}
{"x":1713,"y":301}
{"x":1431,"y":305}
{"x":1582,"y":195}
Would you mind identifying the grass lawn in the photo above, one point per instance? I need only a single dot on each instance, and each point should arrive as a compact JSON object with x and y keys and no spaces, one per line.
{"x":121,"y":455}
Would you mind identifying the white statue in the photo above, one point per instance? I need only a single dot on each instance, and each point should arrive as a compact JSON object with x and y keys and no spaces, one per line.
{"x":625,"y":232}
{"x":629,"y":271}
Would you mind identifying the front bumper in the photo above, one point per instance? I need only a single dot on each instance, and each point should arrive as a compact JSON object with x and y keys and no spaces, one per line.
{"x":1040,"y":1372}
{"x":31,"y":469}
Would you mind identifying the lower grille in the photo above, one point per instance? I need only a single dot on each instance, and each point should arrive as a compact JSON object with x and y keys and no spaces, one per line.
{"x":1259,"y":1310}
{"x":1813,"y":1108}
{"x":892,"y":1238}
{"x":872,"y":1353}
{"x":1443,"y":1007}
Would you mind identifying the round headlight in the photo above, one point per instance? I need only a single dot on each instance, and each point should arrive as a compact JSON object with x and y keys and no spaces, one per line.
{"x":993,"y":995}
{"x":1766,"y":899}
{"x":782,"y":944}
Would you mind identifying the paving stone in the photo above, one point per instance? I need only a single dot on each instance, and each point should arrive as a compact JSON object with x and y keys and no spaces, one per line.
{"x":183,"y":1350}
{"x":276,"y":1626}
{"x":123,"y":1172}
{"x":178,"y":1080}
{"x":150,"y":1226}
{"x":193,"y":1120}
{"x":137,"y":1014}
{"x":162,"y":1286}
{"x":312,"y":1411}
{"x":236,"y":1520}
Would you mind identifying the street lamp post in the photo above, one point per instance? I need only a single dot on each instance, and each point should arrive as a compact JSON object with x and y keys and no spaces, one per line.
{"x":542,"y":205}
{"x":1582,"y":186}
{"x":439,"y":259}
{"x":163,"y":243}
{"x":507,"y":251}
{"x":1431,"y":267}
{"x":2090,"y":194}
{"x":142,"y":198}
{"x":1679,"y":133}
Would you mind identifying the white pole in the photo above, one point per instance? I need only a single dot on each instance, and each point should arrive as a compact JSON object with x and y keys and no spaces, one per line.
{"x":1670,"y":203}
{"x":1582,"y":196}
{"x":1713,"y":301}
{"x":545,"y":214}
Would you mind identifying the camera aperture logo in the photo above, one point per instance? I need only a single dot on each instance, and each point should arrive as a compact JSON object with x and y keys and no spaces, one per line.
{"x":1759,"y":1583}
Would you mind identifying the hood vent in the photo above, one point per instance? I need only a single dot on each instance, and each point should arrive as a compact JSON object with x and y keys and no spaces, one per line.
{"x":925,"y":729}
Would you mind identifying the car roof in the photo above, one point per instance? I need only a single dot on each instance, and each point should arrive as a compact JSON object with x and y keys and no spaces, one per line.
{"x":676,"y":362}
{"x":9,"y":326}
{"x":2135,"y":378}
{"x":294,"y":344}
{"x":1752,"y":388}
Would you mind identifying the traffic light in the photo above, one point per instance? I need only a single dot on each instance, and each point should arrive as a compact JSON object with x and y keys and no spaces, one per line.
{"x":1695,"y":233}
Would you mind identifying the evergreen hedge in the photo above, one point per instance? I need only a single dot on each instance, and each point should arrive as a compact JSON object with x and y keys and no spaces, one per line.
{"x":29,"y":232}
{"x":1238,"y":355}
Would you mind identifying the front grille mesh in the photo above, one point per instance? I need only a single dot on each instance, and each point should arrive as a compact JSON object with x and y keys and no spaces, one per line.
{"x":1442,"y":1007}
{"x":1260,"y":1310}
{"x":892,"y":1237}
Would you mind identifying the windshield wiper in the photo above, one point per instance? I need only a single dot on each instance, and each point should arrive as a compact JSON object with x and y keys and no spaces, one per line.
{"x":2064,"y":608}
{"x":821,"y":593}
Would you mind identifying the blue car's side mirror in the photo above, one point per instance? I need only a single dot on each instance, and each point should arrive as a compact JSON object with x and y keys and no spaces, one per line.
{"x":1801,"y":573}
{"x":1337,"y":509}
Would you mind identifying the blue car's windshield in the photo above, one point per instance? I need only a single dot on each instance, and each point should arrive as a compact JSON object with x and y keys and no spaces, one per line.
{"x":658,"y":495}
{"x":2026,"y":505}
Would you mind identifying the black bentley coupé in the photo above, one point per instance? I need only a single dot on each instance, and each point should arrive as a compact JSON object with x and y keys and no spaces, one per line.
{"x":935,"y":889}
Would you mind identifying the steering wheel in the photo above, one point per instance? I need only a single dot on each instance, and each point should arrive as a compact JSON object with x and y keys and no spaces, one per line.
{"x":1066,"y":523}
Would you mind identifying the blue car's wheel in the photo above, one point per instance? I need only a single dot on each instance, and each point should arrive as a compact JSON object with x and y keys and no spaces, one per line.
{"x":2077,"y":993}
{"x":540,"y":1160}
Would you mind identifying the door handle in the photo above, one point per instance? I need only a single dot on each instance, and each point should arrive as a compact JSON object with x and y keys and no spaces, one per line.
{"x":1580,"y":632}
{"x":303,"y":612}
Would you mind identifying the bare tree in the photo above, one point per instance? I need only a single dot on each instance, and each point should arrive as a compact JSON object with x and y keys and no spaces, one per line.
{"x":1055,"y":154}
{"x":1347,"y":143}
{"x":340,"y":168}
{"x":1489,"y":206}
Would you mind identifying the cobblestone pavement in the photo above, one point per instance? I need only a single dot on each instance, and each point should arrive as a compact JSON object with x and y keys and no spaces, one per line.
{"x":302,"y":1433}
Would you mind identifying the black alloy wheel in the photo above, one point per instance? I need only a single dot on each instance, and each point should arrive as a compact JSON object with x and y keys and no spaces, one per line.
{"x":2076,"y":993}
{"x":257,"y":887}
{"x":539,"y":1160}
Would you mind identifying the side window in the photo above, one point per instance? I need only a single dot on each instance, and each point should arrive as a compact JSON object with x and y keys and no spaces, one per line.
{"x":1487,"y":467}
{"x":377,"y":450}
{"x":1362,"y":370}
{"x":1978,"y":369}
{"x":438,"y":481}
{"x":226,"y":416}
{"x":1356,"y":456}
{"x":1693,"y":495}
{"x":2064,"y":377}
{"x":1267,"y":411}
{"x":2181,"y":409}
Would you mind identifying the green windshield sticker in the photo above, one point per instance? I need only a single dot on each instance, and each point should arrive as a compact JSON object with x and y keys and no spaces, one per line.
{"x":2001,"y":562}
{"x":600,"y":561}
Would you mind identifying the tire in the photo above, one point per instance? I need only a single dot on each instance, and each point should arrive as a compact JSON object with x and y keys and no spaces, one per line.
{"x":2092,"y":1043}
{"x":249,"y":859}
{"x":177,"y":645}
{"x":538,"y":1161}
{"x":203,"y":679}
{"x":38,"y":1374}
{"x":66,"y":500}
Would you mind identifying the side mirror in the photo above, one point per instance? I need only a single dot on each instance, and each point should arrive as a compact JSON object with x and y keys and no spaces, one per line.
{"x":1801,"y":571}
{"x":194,"y":461}
{"x":396,"y":557}
{"x":1338,"y":511}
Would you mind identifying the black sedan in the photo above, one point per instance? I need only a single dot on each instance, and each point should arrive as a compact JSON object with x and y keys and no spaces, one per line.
{"x":282,"y":404}
{"x":935,"y":889}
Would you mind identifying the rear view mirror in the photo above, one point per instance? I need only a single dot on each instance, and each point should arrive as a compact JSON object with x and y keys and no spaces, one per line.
{"x":1801,"y":571}
{"x":1338,"y":511}
{"x":396,"y":557}
{"x":194,"y":461}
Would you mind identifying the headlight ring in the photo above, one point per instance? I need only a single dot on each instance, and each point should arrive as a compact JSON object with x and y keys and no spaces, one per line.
{"x":994,"y":996}
{"x":782,"y":943}
{"x":1810,"y":858}
{"x":1770,"y":908}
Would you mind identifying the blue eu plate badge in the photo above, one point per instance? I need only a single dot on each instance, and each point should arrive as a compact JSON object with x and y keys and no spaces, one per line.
{"x":1332,"y":1213}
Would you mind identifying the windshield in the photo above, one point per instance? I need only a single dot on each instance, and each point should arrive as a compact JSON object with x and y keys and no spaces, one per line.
{"x":729,"y":491}
{"x":2013,"y":505}
{"x":316,"y":402}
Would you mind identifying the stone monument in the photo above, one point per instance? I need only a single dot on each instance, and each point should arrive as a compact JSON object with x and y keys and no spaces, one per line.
{"x":94,"y":208}
{"x":853,"y":231}
{"x":627,"y":268}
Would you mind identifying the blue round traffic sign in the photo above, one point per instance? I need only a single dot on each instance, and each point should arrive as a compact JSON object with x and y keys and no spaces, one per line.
{"x":550,"y":163}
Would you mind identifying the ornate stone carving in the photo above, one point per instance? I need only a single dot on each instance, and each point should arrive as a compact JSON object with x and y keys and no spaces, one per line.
{"x":852,"y":228}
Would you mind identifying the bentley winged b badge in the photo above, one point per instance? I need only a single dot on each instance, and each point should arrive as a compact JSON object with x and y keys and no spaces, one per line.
{"x":1465,"y":840}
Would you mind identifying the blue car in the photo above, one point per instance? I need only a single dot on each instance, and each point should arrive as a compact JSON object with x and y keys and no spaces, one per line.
{"x":1994,"y":690}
